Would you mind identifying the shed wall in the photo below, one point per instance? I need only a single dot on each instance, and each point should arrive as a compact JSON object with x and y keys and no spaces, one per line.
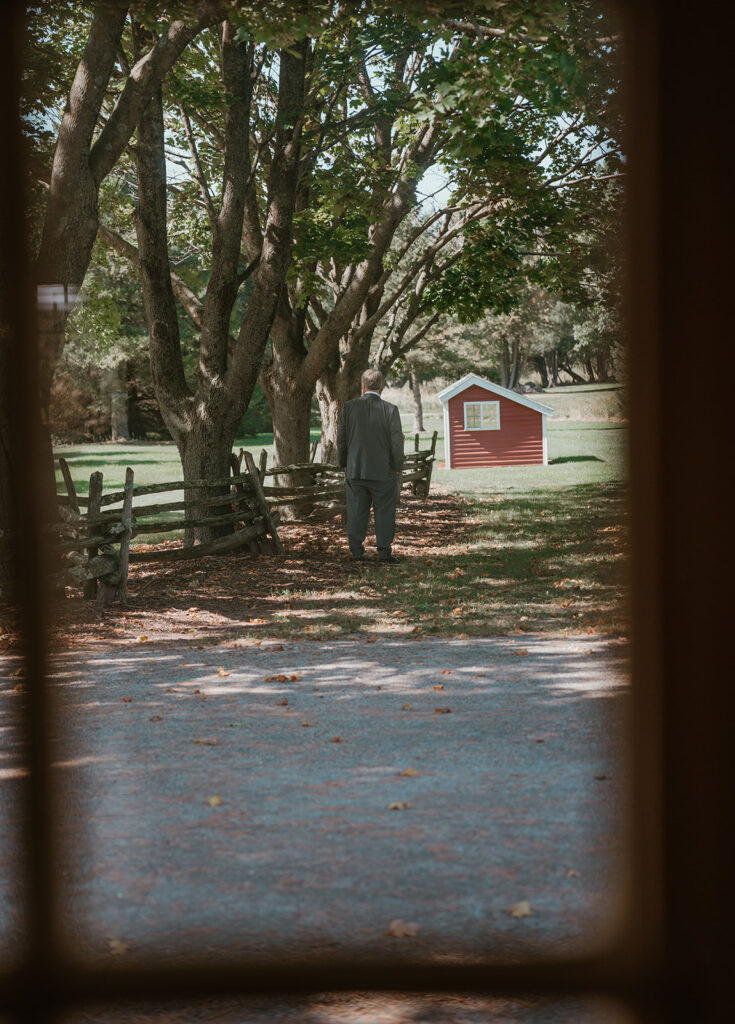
{"x":519,"y":442}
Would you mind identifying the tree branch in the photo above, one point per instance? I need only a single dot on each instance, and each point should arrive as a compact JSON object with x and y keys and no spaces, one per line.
{"x":198,"y":172}
{"x":191,"y":303}
{"x":145,"y":77}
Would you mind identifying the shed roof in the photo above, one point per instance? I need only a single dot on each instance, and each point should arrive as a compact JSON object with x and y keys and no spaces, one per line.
{"x":472,"y":378}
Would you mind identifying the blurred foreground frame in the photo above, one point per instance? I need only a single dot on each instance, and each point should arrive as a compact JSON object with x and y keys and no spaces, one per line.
{"x":670,"y":960}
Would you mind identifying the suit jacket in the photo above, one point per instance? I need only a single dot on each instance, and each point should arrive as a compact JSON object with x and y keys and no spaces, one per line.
{"x":370,"y":439}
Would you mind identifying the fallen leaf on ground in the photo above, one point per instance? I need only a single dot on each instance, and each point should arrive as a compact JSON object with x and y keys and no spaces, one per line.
{"x":442,"y":711}
{"x":398,"y":929}
{"x":399,"y":805}
{"x":141,"y":639}
{"x":206,"y":742}
{"x":222,"y":672}
{"x":446,"y":671}
{"x":306,"y":724}
{"x":520,"y":909}
{"x":457,"y":611}
{"x":601,"y":778}
{"x":294,"y":677}
{"x":406,"y":707}
{"x":156,"y":718}
{"x":126,"y":700}
{"x":118,"y":947}
{"x":439,"y":687}
{"x":523,"y":653}
{"x":282,"y":703}
{"x":214,"y":801}
{"x":572,"y":873}
{"x":371,"y":640}
{"x":410,"y":773}
{"x":336,"y":739}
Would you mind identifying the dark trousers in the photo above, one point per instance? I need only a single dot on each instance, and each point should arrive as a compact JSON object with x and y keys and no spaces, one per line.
{"x":383,"y":496}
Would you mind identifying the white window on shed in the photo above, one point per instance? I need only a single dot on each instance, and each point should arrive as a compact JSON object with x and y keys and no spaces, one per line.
{"x":482,"y":415}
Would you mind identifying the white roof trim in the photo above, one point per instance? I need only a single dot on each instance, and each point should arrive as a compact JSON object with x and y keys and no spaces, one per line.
{"x":472,"y":378}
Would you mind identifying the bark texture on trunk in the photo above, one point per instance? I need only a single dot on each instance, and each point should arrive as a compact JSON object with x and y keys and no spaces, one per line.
{"x":418,"y":409}
{"x":540,"y":366}
{"x":552,"y":363}
{"x":205,"y":455}
{"x":116,"y":386}
{"x":332,"y":391}
{"x":204,"y":420}
{"x":603,"y":368}
{"x":511,"y":362}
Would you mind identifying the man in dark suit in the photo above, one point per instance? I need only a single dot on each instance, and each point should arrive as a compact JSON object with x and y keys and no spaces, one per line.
{"x":370,"y":449}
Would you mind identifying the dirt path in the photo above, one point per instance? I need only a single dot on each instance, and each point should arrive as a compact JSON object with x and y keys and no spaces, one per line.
{"x":300,"y":796}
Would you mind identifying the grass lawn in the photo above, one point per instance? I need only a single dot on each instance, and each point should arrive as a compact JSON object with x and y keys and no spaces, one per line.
{"x":534,"y":549}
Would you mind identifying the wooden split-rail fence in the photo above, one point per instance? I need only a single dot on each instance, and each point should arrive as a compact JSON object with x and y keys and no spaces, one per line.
{"x":320,"y":491}
{"x":95,"y":532}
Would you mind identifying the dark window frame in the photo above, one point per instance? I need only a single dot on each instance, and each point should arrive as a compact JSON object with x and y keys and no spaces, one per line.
{"x":670,"y":957}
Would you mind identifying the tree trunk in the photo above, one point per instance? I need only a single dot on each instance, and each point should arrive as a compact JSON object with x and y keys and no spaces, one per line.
{"x":291,"y":408}
{"x":516,"y":364}
{"x":205,"y":455}
{"x":575,"y":376}
{"x":333,"y":391}
{"x":540,"y":366}
{"x":117,"y":390}
{"x":418,"y":409}
{"x":603,"y":370}
{"x":504,"y":362}
{"x":590,"y":371}
{"x":552,"y":362}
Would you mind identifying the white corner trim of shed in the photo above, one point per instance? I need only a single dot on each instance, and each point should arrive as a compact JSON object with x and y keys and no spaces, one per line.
{"x":471,"y":379}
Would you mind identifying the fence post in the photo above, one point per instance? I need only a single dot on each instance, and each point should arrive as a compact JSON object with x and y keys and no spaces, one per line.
{"x":93,"y":511}
{"x":127,"y":521}
{"x":261,"y":502}
{"x":69,"y":484}
{"x":432,"y":450}
{"x":312,"y":454}
{"x":415,"y":442}
{"x":262,"y":464}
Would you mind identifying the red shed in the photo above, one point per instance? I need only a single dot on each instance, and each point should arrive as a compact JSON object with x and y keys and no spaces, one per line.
{"x":486,"y":425}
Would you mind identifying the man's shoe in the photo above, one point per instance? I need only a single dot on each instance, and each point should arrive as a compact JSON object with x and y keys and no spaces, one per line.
{"x":388,"y":560}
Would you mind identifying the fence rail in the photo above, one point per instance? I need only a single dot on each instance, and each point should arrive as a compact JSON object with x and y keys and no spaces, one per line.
{"x":94,"y":539}
{"x":95,"y":532}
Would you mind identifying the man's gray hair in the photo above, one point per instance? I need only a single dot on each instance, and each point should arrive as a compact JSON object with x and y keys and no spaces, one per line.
{"x":373,"y":380}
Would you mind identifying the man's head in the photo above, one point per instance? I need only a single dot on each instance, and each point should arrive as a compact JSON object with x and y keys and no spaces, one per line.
{"x":372,"y":380}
